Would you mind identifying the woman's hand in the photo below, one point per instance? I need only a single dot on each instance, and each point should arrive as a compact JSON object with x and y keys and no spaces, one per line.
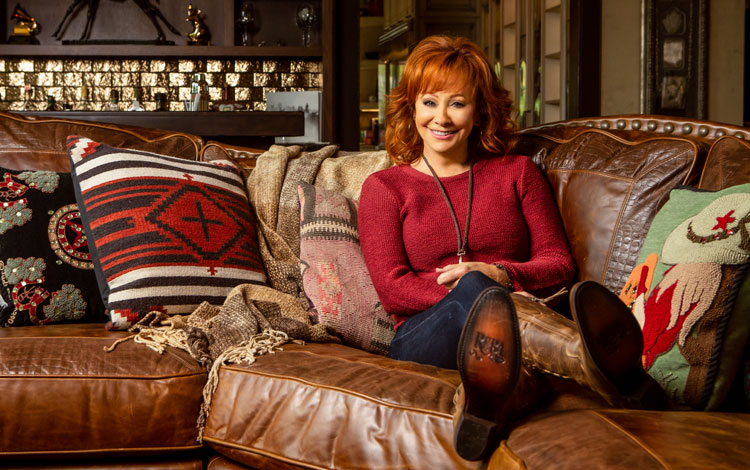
{"x":451,"y":273}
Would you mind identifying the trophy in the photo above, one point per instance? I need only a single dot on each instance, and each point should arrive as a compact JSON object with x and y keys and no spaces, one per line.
{"x":200,"y":35}
{"x":25,"y":28}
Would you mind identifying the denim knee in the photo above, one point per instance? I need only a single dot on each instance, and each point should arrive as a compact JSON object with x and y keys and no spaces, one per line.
{"x":473,"y":283}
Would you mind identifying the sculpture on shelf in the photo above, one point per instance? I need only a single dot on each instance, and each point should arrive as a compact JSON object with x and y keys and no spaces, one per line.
{"x":200,"y":35}
{"x":146,"y":6}
{"x":24,"y":29}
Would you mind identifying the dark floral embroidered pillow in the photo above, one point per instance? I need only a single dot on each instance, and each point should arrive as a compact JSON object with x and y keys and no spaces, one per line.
{"x":45,"y":265}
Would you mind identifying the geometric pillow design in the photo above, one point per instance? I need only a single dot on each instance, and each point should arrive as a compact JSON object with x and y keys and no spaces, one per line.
{"x":166,"y":233}
{"x":334,"y":276}
{"x":689,"y":293}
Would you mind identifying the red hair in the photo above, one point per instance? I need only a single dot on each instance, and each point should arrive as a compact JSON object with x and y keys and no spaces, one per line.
{"x":445,"y":63}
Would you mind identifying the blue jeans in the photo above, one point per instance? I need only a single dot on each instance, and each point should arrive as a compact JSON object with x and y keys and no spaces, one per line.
{"x":431,"y":337}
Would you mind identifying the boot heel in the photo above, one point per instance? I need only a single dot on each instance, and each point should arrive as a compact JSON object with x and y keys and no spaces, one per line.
{"x":489,"y":361}
{"x":473,"y":436}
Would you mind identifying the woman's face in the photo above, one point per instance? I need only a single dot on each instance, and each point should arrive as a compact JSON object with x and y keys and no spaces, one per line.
{"x":444,"y":120}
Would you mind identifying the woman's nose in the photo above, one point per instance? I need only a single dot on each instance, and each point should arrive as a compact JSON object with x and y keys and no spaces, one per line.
{"x":441,"y":116}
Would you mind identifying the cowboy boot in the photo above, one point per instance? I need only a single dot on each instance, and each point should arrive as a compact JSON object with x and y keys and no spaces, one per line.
{"x":601,"y":350}
{"x":489,"y":362}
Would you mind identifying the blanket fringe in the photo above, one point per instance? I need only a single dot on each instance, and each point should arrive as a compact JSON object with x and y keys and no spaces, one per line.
{"x":157,"y":338}
{"x":267,"y":342}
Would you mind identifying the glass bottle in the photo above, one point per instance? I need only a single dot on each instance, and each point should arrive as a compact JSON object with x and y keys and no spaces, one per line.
{"x":27,"y":98}
{"x":227,"y":101}
{"x":205,"y":96}
{"x":51,"y":105}
{"x":195,"y":90}
{"x":161,"y":101}
{"x":136,"y":105}
{"x":199,"y":97}
{"x":114,"y":101}
{"x":83,"y":103}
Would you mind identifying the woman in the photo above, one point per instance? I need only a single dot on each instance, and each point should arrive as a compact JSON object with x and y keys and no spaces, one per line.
{"x":458,"y":224}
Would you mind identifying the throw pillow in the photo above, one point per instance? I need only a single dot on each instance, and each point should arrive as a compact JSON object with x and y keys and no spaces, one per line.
{"x":690,"y":291}
{"x":167,"y":233}
{"x":46,"y":268}
{"x":334,"y":276}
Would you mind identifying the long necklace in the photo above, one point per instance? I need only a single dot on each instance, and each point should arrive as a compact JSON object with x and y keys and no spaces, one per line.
{"x":461,"y":241}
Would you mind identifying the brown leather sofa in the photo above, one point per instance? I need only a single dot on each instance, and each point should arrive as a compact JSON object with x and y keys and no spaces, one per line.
{"x":65,"y":403}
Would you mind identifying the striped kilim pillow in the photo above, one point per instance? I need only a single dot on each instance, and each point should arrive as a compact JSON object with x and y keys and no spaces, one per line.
{"x":167,"y":233}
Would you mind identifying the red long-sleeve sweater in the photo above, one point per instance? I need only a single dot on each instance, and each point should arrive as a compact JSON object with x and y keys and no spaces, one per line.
{"x":406,"y":230}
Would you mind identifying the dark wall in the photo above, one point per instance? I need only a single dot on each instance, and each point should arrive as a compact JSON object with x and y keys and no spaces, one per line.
{"x":346,"y":40}
{"x":585,"y":58}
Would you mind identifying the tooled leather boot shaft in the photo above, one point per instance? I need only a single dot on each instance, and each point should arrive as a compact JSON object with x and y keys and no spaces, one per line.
{"x":551,"y":344}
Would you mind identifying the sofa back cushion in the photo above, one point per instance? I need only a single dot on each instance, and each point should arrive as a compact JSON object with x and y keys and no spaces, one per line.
{"x":33,"y":143}
{"x":608,"y":190}
{"x":727,"y":164}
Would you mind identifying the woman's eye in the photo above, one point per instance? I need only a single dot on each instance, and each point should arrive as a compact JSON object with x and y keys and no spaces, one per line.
{"x":428,"y":103}
{"x":458,"y":104}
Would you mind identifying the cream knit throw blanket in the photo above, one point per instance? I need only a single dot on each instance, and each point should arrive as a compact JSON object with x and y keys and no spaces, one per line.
{"x":256,"y":320}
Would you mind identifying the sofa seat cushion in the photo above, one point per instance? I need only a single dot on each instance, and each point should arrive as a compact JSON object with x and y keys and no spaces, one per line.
{"x":167,"y":462}
{"x":628,"y":439}
{"x":62,"y":395}
{"x":333,"y":406}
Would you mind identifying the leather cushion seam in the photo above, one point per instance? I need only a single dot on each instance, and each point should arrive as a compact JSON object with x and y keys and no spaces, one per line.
{"x":264,"y":453}
{"x":362,"y":396}
{"x":98,"y":451}
{"x":632,"y":437}
{"x":405,"y":372}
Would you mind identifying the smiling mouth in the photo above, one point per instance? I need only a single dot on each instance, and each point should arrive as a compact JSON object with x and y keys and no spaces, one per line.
{"x":442,"y":133}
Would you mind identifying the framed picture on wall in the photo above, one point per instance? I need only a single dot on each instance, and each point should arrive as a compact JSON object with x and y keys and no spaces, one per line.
{"x":306,"y":101}
{"x":675,"y":57}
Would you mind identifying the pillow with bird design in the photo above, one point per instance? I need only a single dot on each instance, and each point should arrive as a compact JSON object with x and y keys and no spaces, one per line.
{"x":690,"y":293}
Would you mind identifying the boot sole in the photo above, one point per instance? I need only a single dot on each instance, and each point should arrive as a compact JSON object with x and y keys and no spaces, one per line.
{"x":489,"y":362}
{"x":613,"y":341}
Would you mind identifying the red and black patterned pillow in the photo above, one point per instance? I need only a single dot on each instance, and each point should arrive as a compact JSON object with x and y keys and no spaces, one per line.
{"x":46,"y":268}
{"x":166,"y":233}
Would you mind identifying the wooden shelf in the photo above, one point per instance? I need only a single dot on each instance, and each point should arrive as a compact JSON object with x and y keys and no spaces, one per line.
{"x":139,"y":50}
{"x":211,"y":124}
{"x":368,"y":107}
